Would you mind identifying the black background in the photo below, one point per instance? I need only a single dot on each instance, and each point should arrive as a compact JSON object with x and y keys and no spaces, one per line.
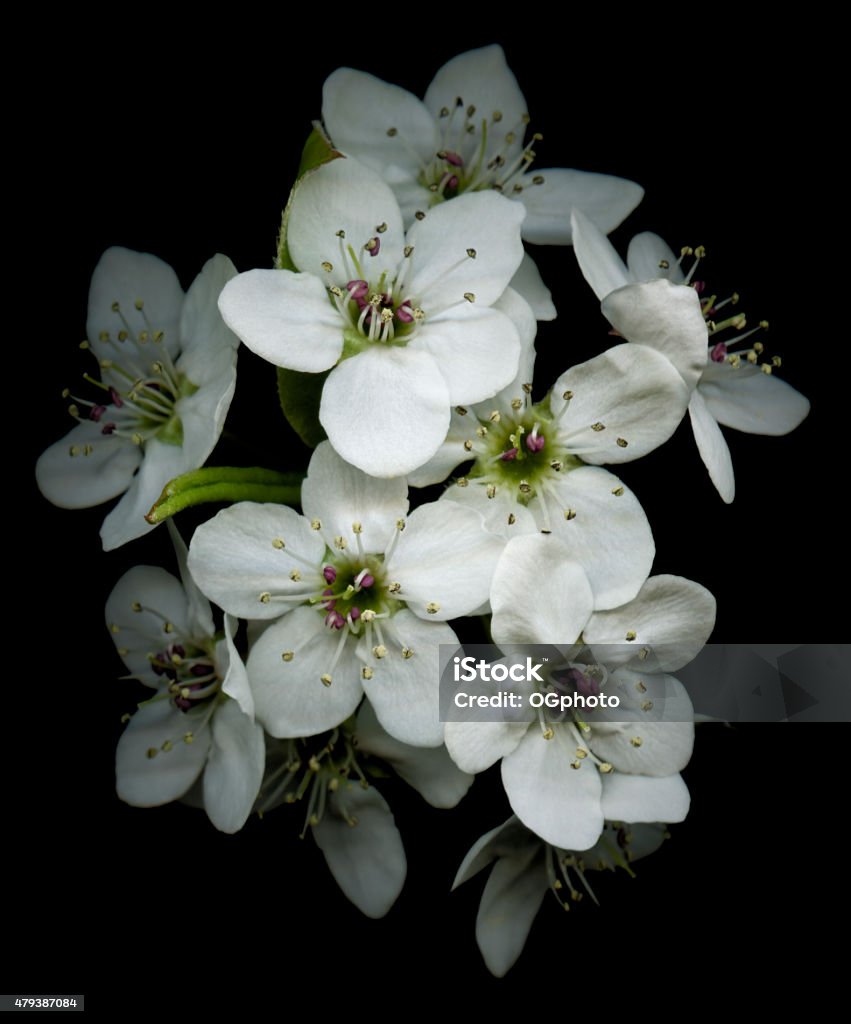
{"x":184,"y":147}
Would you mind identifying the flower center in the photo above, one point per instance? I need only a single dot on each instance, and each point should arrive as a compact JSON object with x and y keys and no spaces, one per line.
{"x":476,"y":152}
{"x":308,"y":770}
{"x":140,"y":385}
{"x":727,"y":349}
{"x":517,"y":457}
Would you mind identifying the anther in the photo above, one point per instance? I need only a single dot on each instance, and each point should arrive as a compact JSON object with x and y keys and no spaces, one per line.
{"x":295,"y":575}
{"x":646,"y":705}
{"x":287,"y":655}
{"x":618,"y":492}
{"x":407,"y":653}
{"x":392,"y":132}
{"x":491,"y":490}
{"x":326,"y":680}
{"x":327,"y":267}
{"x":366,"y":672}
{"x":569,"y":513}
{"x":379,"y":651}
{"x":469,"y":296}
{"x":598,"y":427}
{"x":622,"y":442}
{"x":512,"y":519}
{"x":471,"y":253}
{"x":636,"y":741}
{"x":605,"y":767}
{"x":433,"y":607}
{"x":265,"y":597}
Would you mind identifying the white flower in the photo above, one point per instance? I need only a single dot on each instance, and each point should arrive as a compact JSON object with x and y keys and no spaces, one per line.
{"x":537,"y":466}
{"x":406,"y":324}
{"x":190,"y":728}
{"x":168,"y":373}
{"x":564,"y":778}
{"x":728,"y":387}
{"x":361,"y":594}
{"x":467,"y":135}
{"x":526,"y":868}
{"x":350,"y":820}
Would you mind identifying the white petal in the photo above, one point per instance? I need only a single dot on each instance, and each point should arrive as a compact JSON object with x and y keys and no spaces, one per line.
{"x":609,"y":535}
{"x":475,"y":349}
{"x":444,"y":556}
{"x":339,"y":495}
{"x":234,"y":768}
{"x":344,"y":195}
{"x":447,"y":457}
{"x":482,"y":79}
{"x":495,"y":512}
{"x":386,"y":410}
{"x":652,"y":731}
{"x":284,"y":317}
{"x":145,"y":781}
{"x":483,"y":222}
{"x":200,"y":612}
{"x":80,"y":480}
{"x":528,"y":282}
{"x":161,"y":463}
{"x":558,"y":803}
{"x":511,"y":899}
{"x":429,"y":770}
{"x":539,"y":595}
{"x":663,"y":316}
{"x":235,"y":683}
{"x":598,"y":260}
{"x":509,"y":837}
{"x":162,"y":600}
{"x":633,"y":391}
{"x":233,"y":558}
{"x":290,"y":698}
{"x":207,"y":345}
{"x":359,"y":110}
{"x":405,"y":692}
{"x":636,"y":798}
{"x":747,"y":399}
{"x":712,"y":447}
{"x":475,"y":746}
{"x":671,"y":616}
{"x":125,"y":276}
{"x":367,"y":859}
{"x":604,"y":199}
{"x":645,"y":258}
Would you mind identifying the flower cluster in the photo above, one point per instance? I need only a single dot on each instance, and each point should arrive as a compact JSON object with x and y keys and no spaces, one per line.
{"x":300,"y":653}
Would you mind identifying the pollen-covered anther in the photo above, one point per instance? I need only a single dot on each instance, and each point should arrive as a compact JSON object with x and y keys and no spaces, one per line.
{"x":598,"y":427}
{"x":516,"y":404}
{"x":636,"y":741}
{"x":525,"y":487}
{"x":569,"y":513}
{"x":556,"y":465}
{"x":468,"y":446}
{"x":357,"y":527}
{"x":381,"y":228}
{"x":460,"y":410}
{"x":581,"y":753}
{"x":433,"y":607}
{"x":575,"y":764}
{"x":151,"y":753}
{"x":491,"y":490}
{"x":136,"y":606}
{"x":462,"y":481}
{"x":469,"y":296}
{"x":647,"y":705}
{"x":287,"y":655}
{"x":189,"y":737}
{"x":265,"y":597}
{"x":326,"y":679}
{"x":379,"y":651}
{"x":481,"y":431}
{"x":622,"y":442}
{"x":327,"y":267}
{"x":618,"y":492}
{"x":641,"y":686}
{"x":407,"y":653}
{"x":630,"y":636}
{"x":295,"y":575}
{"x":512,"y":519}
{"x":340,"y":543}
{"x":766,"y":369}
{"x":605,"y":767}
{"x":394,"y":588}
{"x":368,"y":615}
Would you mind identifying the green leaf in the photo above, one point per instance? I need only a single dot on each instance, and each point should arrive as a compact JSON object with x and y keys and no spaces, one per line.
{"x":299,"y":394}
